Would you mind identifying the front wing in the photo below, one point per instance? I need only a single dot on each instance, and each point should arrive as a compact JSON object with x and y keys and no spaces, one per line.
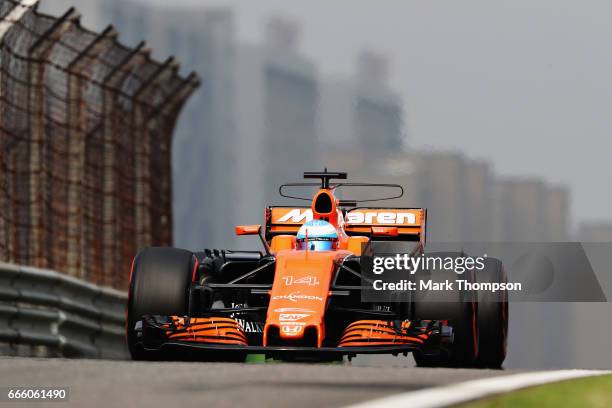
{"x":223,"y":336}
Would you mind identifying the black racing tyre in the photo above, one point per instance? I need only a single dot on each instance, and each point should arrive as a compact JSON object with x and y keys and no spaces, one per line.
{"x":492,"y":316}
{"x":159,"y":285}
{"x":458,"y":307}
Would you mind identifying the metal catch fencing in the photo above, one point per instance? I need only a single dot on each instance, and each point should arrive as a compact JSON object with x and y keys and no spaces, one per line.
{"x":48,"y":314}
{"x":86,"y":127}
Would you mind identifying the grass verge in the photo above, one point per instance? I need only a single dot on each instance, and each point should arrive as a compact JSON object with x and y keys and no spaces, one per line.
{"x":591,"y":392}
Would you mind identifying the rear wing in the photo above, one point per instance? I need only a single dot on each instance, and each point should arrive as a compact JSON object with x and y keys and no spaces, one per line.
{"x":410,"y":222}
{"x":285,"y":220}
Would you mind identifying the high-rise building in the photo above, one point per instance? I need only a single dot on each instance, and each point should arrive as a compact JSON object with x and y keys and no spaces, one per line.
{"x":378,"y":118}
{"x":290,"y":103}
{"x":362,"y":112}
{"x":595,"y":231}
{"x":479,"y":182}
{"x":443,"y":191}
{"x":204,"y":154}
{"x":522,"y":210}
{"x":557,"y":213}
{"x":531,"y":210}
{"x":336,"y":121}
{"x":276,"y":101}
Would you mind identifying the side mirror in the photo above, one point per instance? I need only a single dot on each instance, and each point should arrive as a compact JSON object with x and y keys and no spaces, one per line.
{"x":248,"y":229}
{"x":385,"y":231}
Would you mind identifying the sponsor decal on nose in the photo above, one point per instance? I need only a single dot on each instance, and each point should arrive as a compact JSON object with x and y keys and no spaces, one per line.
{"x":291,"y":329}
{"x":295,"y":296}
{"x":292,"y":317}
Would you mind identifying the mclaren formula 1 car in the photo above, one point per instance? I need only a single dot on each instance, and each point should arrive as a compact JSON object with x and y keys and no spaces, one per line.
{"x":300,"y":297}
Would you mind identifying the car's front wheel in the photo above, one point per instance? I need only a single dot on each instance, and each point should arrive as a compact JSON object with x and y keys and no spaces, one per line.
{"x":159,"y":285}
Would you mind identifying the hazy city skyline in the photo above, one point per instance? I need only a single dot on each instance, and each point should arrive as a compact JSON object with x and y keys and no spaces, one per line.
{"x":536,"y":75}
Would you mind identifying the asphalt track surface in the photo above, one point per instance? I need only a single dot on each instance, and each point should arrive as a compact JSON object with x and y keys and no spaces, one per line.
{"x":110,"y":383}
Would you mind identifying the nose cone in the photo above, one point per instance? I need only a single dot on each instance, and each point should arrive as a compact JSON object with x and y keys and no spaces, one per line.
{"x":299,"y":296}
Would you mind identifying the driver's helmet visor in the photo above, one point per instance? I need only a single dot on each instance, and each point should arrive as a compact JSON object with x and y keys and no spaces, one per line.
{"x":317,"y":244}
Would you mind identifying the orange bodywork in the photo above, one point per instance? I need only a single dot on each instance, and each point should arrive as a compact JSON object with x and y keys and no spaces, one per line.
{"x":218,"y":330}
{"x":281,"y":242}
{"x":298,"y":298}
{"x":379,"y":333}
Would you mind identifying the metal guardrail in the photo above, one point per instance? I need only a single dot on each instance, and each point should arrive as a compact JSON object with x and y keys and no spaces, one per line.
{"x":45,"y":313}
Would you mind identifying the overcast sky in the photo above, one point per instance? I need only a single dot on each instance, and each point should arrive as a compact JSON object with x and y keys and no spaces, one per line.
{"x":525,"y":84}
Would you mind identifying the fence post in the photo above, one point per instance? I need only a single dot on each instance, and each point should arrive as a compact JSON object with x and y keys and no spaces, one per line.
{"x":38,"y":56}
{"x":141,"y":100}
{"x":76,"y":145}
{"x":111,"y":214}
{"x":177,"y":96}
{"x":165,"y":116}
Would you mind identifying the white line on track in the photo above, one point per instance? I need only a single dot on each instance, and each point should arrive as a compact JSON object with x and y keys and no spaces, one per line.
{"x":443,"y":396}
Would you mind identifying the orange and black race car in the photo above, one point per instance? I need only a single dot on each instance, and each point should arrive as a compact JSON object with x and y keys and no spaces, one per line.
{"x":301,"y":297}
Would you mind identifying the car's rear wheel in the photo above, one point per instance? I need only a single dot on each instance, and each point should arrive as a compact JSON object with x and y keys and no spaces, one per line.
{"x":457,"y":308}
{"x":492,"y":317}
{"x":159,"y":285}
